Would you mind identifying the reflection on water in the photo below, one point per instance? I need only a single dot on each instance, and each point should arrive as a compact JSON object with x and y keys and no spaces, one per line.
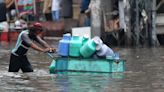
{"x":84,"y":82}
{"x":144,"y":73}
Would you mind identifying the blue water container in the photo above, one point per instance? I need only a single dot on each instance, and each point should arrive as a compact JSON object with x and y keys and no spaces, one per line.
{"x":63,"y":47}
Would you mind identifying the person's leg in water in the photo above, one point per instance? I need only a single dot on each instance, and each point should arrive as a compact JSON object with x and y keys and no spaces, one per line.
{"x":25,"y":65}
{"x":19,"y":62}
{"x":14,"y":64}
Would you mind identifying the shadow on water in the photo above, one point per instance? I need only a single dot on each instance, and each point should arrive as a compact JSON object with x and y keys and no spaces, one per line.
{"x":144,"y":73}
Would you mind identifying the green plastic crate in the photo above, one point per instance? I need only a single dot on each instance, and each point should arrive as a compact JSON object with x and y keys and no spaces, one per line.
{"x":52,"y":67}
{"x":63,"y":65}
{"x":89,"y":65}
{"x":118,"y":65}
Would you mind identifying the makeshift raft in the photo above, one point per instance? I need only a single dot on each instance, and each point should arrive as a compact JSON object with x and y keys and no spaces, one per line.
{"x":62,"y":65}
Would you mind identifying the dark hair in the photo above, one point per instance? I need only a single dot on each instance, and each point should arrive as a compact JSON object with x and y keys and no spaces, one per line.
{"x":36,"y":27}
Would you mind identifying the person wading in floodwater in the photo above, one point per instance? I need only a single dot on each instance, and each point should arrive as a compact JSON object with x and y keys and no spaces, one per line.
{"x":26,"y":39}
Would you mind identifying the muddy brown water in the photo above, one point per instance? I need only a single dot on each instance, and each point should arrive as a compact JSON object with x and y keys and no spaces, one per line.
{"x":144,"y":73}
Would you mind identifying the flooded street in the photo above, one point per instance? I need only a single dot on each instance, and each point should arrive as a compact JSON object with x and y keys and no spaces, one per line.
{"x":144,"y":73}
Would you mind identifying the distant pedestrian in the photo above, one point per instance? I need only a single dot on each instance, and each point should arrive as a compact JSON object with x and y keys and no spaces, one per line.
{"x":3,"y":18}
{"x":10,"y":5}
{"x":84,"y":5}
{"x":3,"y":11}
{"x":86,"y":12}
{"x":56,"y":6}
{"x":26,"y":39}
{"x":47,"y":9}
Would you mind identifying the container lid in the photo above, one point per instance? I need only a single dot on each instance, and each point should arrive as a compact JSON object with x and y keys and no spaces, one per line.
{"x":67,"y":34}
{"x":86,"y":36}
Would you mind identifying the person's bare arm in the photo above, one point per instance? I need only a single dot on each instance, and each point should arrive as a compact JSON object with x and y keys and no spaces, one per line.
{"x":45,"y":44}
{"x":9,"y":3}
{"x":42,"y":42}
{"x":32,"y":44}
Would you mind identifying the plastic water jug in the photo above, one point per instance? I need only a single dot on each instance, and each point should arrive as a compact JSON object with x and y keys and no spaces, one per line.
{"x":88,"y":49}
{"x":75,"y":45}
{"x":63,"y":47}
{"x":104,"y":51}
{"x":116,"y":55}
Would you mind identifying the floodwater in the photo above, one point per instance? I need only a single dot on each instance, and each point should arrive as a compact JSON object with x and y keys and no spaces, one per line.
{"x":144,"y":73}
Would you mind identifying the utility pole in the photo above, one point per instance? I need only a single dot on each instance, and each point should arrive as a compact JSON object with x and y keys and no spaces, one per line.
{"x":127,"y":30}
{"x":136,"y":29}
{"x":154,"y":40}
{"x":122,"y":24}
{"x":96,"y":18}
{"x":122,"y":14}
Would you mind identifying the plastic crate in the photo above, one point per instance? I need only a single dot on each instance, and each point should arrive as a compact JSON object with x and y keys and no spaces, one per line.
{"x":63,"y":65}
